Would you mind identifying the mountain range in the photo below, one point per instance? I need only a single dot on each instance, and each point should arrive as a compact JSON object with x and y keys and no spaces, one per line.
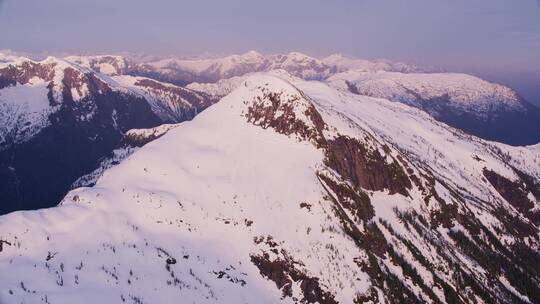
{"x":288,"y":191}
{"x":81,"y":107}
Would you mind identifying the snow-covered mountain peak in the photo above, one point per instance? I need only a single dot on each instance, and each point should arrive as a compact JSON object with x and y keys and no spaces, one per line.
{"x":232,"y":207}
{"x":208,"y":69}
{"x":105,"y":64}
{"x":252,"y":55}
{"x":273,"y":102}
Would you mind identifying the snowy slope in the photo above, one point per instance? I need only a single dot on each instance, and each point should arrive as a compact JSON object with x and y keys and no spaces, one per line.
{"x":290,"y":191}
{"x":219,"y":88}
{"x":223,"y":87}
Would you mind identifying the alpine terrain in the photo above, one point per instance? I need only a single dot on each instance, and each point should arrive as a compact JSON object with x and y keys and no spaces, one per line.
{"x":59,"y":120}
{"x":64,"y":120}
{"x":478,"y":107}
{"x":285,"y":191}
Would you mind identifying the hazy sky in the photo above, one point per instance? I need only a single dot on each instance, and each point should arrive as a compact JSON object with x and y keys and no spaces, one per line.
{"x":498,"y":39}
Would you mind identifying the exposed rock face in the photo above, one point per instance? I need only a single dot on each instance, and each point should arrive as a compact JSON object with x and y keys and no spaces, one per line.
{"x":514,"y":192}
{"x":285,"y":274}
{"x":140,"y":137}
{"x":366,"y":169}
{"x":26,"y":71}
{"x":518,"y":193}
{"x":289,"y":114}
{"x":294,"y":114}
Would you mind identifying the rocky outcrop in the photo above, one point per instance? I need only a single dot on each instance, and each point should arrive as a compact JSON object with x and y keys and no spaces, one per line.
{"x":364,"y":168}
{"x":140,"y":137}
{"x":284,"y":273}
{"x":285,"y":113}
{"x":518,"y":193}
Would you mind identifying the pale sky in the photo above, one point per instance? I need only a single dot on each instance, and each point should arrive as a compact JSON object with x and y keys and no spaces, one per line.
{"x":497,"y":39}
